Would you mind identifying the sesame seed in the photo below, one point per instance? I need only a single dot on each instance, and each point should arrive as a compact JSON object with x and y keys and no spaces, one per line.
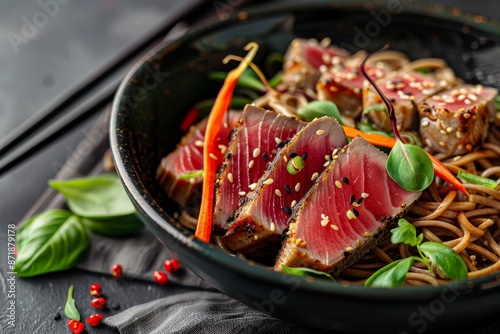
{"x":222,"y":148}
{"x":278,"y":193}
{"x":358,"y":243}
{"x":265,"y":157}
{"x":242,"y":193}
{"x":320,"y":132}
{"x":256,"y":152}
{"x":324,"y":222}
{"x":303,"y":244}
{"x":281,"y":144}
{"x":338,"y":184}
{"x":198,"y":143}
{"x":288,"y":189}
{"x":356,"y":212}
{"x":449,"y":129}
{"x":230,"y":177}
{"x":467,"y":101}
{"x":326,"y":164}
{"x":272,"y":227}
{"x":213,"y":156}
{"x":442,"y":144}
{"x":285,"y":159}
{"x":334,"y":227}
{"x":252,"y":186}
{"x":250,"y":164}
{"x":292,"y":155}
{"x":298,"y":241}
{"x":367,"y":234}
{"x":287,"y":210}
{"x":363,"y":195}
{"x":360,"y":200}
{"x":294,"y":202}
{"x":277,"y":140}
{"x":256,"y":237}
{"x":352,"y":199}
{"x":350,"y":215}
{"x":297,"y":187}
{"x":328,"y":157}
{"x":355,"y":204}
{"x":314,"y":176}
{"x":335,"y":151}
{"x":425,"y":122}
{"x":268,"y":181}
{"x":349,"y":249}
{"x":346,"y":180}
{"x":304,"y":156}
{"x":192,"y":180}
{"x":472,"y":97}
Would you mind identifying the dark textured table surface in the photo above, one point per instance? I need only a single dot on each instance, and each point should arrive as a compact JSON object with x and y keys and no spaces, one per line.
{"x":79,"y":37}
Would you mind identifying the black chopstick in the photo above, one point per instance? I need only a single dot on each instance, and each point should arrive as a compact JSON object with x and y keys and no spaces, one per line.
{"x":61,"y":102}
{"x":60,"y":127}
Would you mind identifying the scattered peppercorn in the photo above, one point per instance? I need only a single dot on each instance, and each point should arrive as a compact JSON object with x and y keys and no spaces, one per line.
{"x":160,"y":277}
{"x":98,"y":302}
{"x":117,"y":271}
{"x":95,"y":289}
{"x":95,"y":319}
{"x":171,"y":265}
{"x":76,"y":327}
{"x":57,"y":316}
{"x":115,"y":306}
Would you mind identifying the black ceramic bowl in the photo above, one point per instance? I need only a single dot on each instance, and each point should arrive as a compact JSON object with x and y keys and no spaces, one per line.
{"x":157,"y":93}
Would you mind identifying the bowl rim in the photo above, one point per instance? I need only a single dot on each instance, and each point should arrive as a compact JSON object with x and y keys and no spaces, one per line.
{"x":139,"y":195}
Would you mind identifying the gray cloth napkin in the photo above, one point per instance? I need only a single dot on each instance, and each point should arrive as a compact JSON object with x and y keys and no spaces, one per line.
{"x":199,"y":312}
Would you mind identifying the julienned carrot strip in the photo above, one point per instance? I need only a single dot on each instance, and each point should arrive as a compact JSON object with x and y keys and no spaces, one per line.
{"x":214,"y":126}
{"x":389,"y":142}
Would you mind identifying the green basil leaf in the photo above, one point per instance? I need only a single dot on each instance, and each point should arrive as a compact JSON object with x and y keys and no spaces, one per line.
{"x":410,"y":167}
{"x":306,"y":272}
{"x":114,"y":227}
{"x":70,"y":308}
{"x":445,"y":258}
{"x":51,"y":241}
{"x":392,"y":275}
{"x":317,"y":109}
{"x":406,"y":233}
{"x":476,"y":179}
{"x":100,"y":196}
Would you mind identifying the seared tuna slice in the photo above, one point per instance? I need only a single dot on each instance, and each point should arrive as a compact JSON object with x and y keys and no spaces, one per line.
{"x":343,"y":82}
{"x":303,"y":61}
{"x":405,"y":90}
{"x":456,"y":121}
{"x":352,"y":206}
{"x":260,"y":221}
{"x":188,"y":158}
{"x":258,"y":137}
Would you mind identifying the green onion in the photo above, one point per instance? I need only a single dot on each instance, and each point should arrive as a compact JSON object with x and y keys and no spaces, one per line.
{"x":476,"y":179}
{"x":193,"y":174}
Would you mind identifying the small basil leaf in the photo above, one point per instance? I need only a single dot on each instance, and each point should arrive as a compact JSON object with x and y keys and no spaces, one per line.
{"x":405,"y":233}
{"x":306,"y":272}
{"x":114,"y":227}
{"x":317,"y":109}
{"x":51,"y":241}
{"x":445,"y":258}
{"x":410,"y":167}
{"x":100,"y":196}
{"x":392,"y":275}
{"x":70,"y":308}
